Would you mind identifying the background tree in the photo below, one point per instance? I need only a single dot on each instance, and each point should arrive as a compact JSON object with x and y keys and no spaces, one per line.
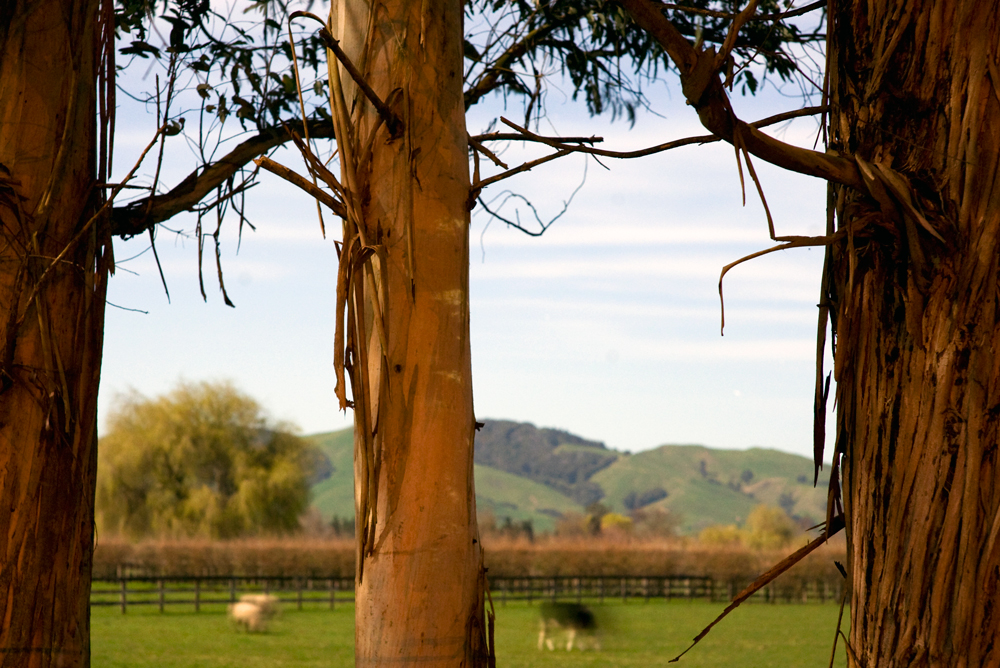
{"x":201,"y":461}
{"x":769,"y":528}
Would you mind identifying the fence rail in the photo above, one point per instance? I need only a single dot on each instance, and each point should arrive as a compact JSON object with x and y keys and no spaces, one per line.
{"x":210,"y":592}
{"x":626,"y":588}
{"x":215,"y":591}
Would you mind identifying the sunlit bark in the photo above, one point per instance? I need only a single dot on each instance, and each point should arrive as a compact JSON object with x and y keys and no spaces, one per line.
{"x":420,"y":581}
{"x":916,"y":88}
{"x":52,"y":320}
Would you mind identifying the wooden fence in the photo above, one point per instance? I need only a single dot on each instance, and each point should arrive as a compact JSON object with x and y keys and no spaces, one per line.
{"x":216,"y":592}
{"x":626,"y":588}
{"x":201,"y":592}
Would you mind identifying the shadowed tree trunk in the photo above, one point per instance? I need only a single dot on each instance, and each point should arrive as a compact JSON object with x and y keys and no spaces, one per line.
{"x":52,"y":285}
{"x":912,"y":288}
{"x":420,"y":582}
{"x":916,"y":88}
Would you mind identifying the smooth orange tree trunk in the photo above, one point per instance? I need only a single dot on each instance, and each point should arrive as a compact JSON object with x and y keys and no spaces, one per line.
{"x":51,"y":321}
{"x":916,"y":87}
{"x":420,"y":583}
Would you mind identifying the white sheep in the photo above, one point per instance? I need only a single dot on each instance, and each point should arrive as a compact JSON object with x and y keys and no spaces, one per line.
{"x":268,"y":604}
{"x":248,"y":615}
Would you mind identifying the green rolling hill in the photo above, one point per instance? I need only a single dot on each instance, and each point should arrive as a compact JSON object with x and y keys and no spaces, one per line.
{"x":505,"y":494}
{"x":702,"y":486}
{"x":508,"y":495}
{"x":335,"y":495}
{"x":707,"y":486}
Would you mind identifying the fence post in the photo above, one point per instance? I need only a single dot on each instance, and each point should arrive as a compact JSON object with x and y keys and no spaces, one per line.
{"x":298,"y":592}
{"x":159,"y":591}
{"x":197,"y":595}
{"x":579,"y":590}
{"x":624,"y":592}
{"x":601,"y":581}
{"x":124,"y":595}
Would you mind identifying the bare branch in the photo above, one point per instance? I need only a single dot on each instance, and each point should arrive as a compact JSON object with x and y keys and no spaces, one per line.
{"x":834,"y":527}
{"x":704,"y":91}
{"x":490,"y":79}
{"x":140,"y":215}
{"x":331,"y":202}
{"x":478,"y":147}
{"x":512,"y":136}
{"x":786,"y":243}
{"x":734,"y":31}
{"x":388,"y":115}
{"x":526,"y":135}
{"x":811,"y":7}
{"x":86,"y":226}
{"x":517,"y":170}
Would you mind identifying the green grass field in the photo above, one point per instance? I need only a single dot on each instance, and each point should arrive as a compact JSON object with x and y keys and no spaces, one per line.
{"x":639,"y":635}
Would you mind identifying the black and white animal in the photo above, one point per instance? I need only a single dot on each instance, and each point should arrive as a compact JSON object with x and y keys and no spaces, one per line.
{"x":568,"y":624}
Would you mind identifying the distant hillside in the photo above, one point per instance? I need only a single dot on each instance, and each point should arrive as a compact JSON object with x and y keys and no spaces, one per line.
{"x":504,"y":494}
{"x":334,"y":496}
{"x":507,"y":495}
{"x":526,"y":473}
{"x":707,"y":486}
{"x":555,"y":458}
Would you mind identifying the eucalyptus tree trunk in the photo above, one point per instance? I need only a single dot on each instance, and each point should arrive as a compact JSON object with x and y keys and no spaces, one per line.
{"x":53,"y":271}
{"x":915,"y":87}
{"x":420,"y":580}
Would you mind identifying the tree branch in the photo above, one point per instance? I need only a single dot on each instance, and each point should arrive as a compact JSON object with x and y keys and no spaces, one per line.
{"x":324,"y":197}
{"x":140,"y":215}
{"x":763,"y":17}
{"x":704,"y":91}
{"x":489,"y":79}
{"x":524,"y":134}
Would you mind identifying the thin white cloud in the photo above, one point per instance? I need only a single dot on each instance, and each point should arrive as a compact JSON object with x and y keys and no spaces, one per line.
{"x":794,"y":315}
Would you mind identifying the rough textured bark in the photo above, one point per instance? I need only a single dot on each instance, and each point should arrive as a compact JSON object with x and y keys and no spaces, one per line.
{"x":420,"y":581}
{"x":912,"y":281}
{"x":915,"y":86}
{"x":52,"y":319}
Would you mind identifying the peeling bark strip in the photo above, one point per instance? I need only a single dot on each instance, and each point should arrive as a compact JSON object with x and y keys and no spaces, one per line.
{"x":53,"y":278}
{"x":918,"y":330}
{"x":911,"y":285}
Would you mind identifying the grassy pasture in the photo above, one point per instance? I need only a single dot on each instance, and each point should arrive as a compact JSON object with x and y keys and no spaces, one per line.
{"x":636,"y":635}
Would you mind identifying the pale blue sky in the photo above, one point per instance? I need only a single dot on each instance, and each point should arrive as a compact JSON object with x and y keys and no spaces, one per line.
{"x":607,"y":326}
